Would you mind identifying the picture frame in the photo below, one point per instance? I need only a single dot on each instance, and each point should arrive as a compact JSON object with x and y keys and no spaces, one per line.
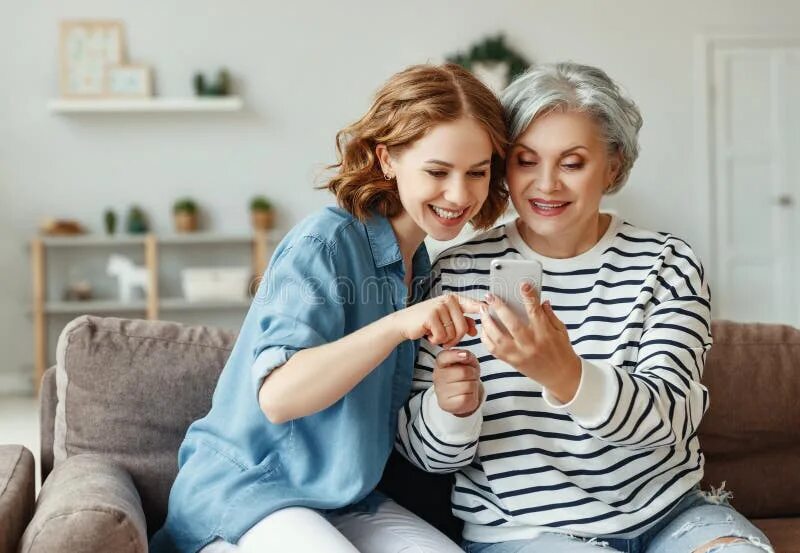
{"x":86,"y":48}
{"x":128,"y":81}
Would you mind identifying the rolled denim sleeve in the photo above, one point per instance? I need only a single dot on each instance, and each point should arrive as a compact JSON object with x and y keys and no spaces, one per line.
{"x":297,"y":305}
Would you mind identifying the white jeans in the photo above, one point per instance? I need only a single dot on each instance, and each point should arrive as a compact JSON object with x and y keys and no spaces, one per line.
{"x":390,"y":529}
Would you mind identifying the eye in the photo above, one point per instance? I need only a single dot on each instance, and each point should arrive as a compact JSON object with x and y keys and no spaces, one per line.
{"x":526,"y":162}
{"x":437,"y":174}
{"x":572,"y":163}
{"x":477,"y":174}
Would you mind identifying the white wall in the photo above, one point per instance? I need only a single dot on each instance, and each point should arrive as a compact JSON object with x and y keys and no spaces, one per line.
{"x":305,"y":69}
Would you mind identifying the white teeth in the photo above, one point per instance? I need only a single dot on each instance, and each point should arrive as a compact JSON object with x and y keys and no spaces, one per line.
{"x":446,"y":213}
{"x":549,"y":206}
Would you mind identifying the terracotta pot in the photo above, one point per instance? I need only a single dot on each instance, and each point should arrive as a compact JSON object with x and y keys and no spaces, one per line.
{"x":262,"y":220}
{"x":185,"y":221}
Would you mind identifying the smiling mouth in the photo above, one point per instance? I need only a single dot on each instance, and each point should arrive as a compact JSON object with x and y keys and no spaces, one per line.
{"x":549,"y":205}
{"x":447,"y":213}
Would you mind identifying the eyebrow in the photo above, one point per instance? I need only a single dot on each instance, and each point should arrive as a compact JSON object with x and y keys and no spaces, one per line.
{"x":565,"y":152}
{"x":450,"y":165}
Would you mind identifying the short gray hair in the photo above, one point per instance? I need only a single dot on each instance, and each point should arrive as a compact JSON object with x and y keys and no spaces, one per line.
{"x":574,"y":87}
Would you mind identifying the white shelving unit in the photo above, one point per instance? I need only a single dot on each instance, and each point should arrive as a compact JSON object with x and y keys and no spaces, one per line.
{"x":92,"y":240}
{"x":180,"y":304}
{"x":261,"y":244}
{"x":92,"y":306}
{"x":145,"y":105}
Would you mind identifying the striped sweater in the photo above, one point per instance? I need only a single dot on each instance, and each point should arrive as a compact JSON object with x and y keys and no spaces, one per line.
{"x":624,"y":450}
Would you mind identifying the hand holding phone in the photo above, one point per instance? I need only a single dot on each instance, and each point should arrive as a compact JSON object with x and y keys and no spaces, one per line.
{"x":506,"y":277}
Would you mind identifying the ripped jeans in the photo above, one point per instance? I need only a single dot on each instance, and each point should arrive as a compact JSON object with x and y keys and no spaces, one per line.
{"x":698,"y":519}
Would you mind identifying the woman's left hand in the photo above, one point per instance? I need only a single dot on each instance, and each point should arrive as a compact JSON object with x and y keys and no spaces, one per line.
{"x":539,"y":348}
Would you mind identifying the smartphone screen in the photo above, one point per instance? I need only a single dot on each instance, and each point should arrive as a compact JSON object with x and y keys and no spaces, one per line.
{"x":506,"y":277}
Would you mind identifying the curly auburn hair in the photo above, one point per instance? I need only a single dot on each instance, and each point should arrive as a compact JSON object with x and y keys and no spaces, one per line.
{"x":408,"y":105}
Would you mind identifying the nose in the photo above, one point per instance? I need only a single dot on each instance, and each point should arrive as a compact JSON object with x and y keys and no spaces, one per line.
{"x":547,"y":181}
{"x":458,"y":192}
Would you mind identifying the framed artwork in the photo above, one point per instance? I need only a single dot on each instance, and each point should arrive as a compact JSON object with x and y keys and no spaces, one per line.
{"x":86,"y":48}
{"x":129,"y":81}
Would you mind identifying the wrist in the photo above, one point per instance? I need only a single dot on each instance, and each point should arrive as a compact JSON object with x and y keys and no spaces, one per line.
{"x":478,"y":406}
{"x":565,"y":385}
{"x":447,"y":426}
{"x":392,"y":327}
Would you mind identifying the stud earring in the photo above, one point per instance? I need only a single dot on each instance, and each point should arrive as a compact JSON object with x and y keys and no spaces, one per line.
{"x":387,"y":177}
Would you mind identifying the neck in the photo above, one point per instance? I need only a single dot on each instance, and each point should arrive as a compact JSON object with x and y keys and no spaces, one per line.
{"x":409,"y":237}
{"x":569,"y":243}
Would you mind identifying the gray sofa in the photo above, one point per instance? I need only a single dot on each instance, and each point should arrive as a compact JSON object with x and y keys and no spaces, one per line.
{"x":17,"y":481}
{"x":115,"y":408}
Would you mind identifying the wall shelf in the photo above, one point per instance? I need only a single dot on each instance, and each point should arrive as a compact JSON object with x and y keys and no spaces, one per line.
{"x":101,"y":240}
{"x":212,"y":238}
{"x":92,"y":306}
{"x":145,"y":105}
{"x":91,"y":240}
{"x":181,"y":304}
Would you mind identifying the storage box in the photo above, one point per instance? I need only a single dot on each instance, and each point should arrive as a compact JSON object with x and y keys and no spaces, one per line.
{"x":215,"y":283}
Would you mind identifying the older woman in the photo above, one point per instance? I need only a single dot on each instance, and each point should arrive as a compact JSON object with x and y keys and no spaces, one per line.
{"x":576,"y":429}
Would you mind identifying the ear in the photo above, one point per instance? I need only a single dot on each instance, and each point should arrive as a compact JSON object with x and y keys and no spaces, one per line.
{"x":382,"y":153}
{"x":614,"y":168}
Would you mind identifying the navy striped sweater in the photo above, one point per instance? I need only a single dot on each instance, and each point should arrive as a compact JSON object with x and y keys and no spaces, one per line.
{"x":624,"y":450}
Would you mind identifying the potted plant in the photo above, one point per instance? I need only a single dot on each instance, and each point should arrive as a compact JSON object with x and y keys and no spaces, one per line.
{"x":136,"y":221}
{"x":185,"y":214}
{"x":110,"y":221}
{"x":261,"y":213}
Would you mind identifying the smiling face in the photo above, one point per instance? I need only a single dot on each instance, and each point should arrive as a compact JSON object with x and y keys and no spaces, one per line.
{"x":557,"y":171}
{"x":442,"y":178}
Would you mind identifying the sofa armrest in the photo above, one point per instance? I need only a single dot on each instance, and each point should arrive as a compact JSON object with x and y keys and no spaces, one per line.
{"x":87,"y":504}
{"x":17,"y":479}
{"x":48,"y":399}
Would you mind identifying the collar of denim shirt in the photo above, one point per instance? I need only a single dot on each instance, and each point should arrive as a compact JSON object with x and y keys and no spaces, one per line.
{"x":386,"y":250}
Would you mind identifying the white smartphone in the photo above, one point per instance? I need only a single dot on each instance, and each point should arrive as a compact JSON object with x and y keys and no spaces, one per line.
{"x":506,"y":277}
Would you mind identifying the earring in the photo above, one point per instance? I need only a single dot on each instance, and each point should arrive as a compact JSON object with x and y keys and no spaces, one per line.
{"x":387,"y":177}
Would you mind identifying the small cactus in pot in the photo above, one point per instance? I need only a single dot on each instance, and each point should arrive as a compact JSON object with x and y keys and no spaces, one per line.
{"x":184,"y":212}
{"x":262,"y":215}
{"x":110,"y":221}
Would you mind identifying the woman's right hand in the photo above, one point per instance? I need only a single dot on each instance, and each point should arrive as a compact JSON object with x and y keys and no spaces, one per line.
{"x":441,"y":320}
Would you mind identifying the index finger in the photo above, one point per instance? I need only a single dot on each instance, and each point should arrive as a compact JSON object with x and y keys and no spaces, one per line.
{"x":468,"y":305}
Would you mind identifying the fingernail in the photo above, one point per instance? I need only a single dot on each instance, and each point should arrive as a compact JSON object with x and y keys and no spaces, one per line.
{"x":489,"y":298}
{"x":527,"y":287}
{"x":462,"y":354}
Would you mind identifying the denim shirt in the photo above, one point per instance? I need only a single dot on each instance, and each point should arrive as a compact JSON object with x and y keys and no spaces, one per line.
{"x":330,"y":276}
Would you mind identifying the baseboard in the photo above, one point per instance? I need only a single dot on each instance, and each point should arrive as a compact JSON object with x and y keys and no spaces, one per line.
{"x":16,"y":383}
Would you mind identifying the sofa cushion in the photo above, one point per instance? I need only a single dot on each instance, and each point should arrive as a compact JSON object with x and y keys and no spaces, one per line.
{"x":88,"y":504}
{"x":751,"y":433}
{"x":128,"y":389}
{"x":16,"y":494}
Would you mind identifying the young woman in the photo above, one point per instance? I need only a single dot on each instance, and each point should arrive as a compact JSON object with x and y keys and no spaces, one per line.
{"x":304,"y":415}
{"x":579,"y":430}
